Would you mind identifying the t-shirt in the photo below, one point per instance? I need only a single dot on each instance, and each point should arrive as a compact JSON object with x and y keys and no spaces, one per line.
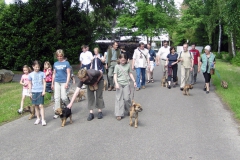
{"x":140,"y":57}
{"x":37,"y":81}
{"x":187,"y":59}
{"x":24,"y":79}
{"x":172,"y":58}
{"x":49,"y":76}
{"x":93,"y":77}
{"x":86,"y":57}
{"x":122,"y":72}
{"x":163,"y":52}
{"x":195,"y":54}
{"x":152,"y":55}
{"x":61,"y":71}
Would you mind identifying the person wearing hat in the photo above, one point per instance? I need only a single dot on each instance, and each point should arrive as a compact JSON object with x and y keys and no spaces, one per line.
{"x":207,"y":62}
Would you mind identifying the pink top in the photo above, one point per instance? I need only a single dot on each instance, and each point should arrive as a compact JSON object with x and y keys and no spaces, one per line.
{"x":24,"y":79}
{"x":49,"y":75}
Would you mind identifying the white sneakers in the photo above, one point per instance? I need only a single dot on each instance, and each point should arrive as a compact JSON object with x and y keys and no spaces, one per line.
{"x":38,"y":121}
{"x":55,"y":116}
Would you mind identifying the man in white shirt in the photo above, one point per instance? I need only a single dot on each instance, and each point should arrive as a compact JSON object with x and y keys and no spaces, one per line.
{"x":162,"y":56}
{"x":140,"y":63}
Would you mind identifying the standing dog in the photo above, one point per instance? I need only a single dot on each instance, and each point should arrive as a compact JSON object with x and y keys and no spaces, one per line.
{"x":64,"y":113}
{"x":224,"y":84}
{"x":80,"y":95}
{"x":30,"y":109}
{"x":134,"y":109}
{"x":164,"y":82}
{"x":186,"y":89}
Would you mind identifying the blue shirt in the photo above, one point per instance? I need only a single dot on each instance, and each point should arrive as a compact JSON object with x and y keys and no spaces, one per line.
{"x":61,"y":71}
{"x":152,"y":55}
{"x":172,"y":58}
{"x":37,"y":81}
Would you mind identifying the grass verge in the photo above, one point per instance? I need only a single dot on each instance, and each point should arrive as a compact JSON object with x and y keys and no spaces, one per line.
{"x":11,"y":95}
{"x":231,"y":74}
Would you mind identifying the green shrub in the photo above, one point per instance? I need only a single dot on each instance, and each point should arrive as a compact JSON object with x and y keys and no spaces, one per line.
{"x":218,"y":56}
{"x":236,"y":60}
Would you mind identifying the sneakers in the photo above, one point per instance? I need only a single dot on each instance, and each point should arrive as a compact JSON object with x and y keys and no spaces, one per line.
{"x":143,"y":87}
{"x":169,"y":87}
{"x":207,"y":92}
{"x":37,"y":121}
{"x":55,"y":116}
{"x":90,"y":117}
{"x":137,"y":89}
{"x":44,"y":123}
{"x":100,"y":115}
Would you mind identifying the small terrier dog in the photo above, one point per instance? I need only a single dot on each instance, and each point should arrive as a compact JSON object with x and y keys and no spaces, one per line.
{"x":105,"y":85}
{"x":80,"y":95}
{"x":224,"y":84}
{"x":64,"y":113}
{"x":164,"y":82}
{"x":30,"y":109}
{"x":134,"y":109}
{"x":186,"y":89}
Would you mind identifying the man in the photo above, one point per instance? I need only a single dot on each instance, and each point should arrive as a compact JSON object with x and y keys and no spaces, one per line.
{"x":152,"y":57}
{"x":162,"y":57}
{"x":85,"y":59}
{"x":113,"y":54}
{"x":140,"y":63}
{"x":196,"y":57}
{"x":186,"y":59}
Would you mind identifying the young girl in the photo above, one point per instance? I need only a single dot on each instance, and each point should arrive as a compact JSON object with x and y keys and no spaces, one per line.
{"x":24,"y":82}
{"x":37,"y":85}
{"x":98,"y":60}
{"x":122,"y":74}
{"x":48,"y":74}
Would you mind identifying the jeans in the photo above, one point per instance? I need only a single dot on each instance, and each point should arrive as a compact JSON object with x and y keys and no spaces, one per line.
{"x":139,"y":71}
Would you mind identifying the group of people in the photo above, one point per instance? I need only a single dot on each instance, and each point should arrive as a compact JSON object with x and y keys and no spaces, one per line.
{"x":116,"y":61}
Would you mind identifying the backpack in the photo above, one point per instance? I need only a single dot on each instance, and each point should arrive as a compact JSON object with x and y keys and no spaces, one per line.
{"x":189,"y":53}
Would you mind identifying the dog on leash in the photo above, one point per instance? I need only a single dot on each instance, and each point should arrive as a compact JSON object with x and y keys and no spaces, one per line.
{"x":164,"y":82}
{"x":64,"y":113}
{"x":134,"y":109}
{"x":80,"y":95}
{"x":186,"y":89}
{"x":30,"y":109}
{"x":105,"y":85}
{"x":224,"y":84}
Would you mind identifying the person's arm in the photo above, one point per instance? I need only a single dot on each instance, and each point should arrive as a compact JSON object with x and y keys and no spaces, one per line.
{"x":133,"y":79}
{"x":30,"y":87}
{"x":99,"y":77}
{"x":133,"y":60}
{"x":73,"y":97}
{"x":192,"y":62}
{"x":53,"y":78}
{"x":21,"y":81}
{"x":68,"y":78}
{"x":44,"y":86}
{"x":115,"y":81}
{"x":200,"y":64}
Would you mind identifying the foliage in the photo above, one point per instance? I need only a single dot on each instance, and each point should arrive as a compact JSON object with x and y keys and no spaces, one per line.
{"x":236,"y":60}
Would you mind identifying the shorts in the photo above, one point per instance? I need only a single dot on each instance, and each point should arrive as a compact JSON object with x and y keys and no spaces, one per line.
{"x":49,"y":87}
{"x":37,"y":98}
{"x":25,"y":92}
{"x":151,"y":67}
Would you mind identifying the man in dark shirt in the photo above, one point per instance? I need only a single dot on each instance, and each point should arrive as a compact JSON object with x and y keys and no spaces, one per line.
{"x":196,"y":60}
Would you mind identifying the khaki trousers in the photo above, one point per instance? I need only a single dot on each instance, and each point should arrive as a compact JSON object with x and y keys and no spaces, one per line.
{"x":122,"y":100}
{"x":185,"y":73}
{"x":164,"y":69}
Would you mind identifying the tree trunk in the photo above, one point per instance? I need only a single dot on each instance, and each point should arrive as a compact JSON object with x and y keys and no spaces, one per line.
{"x":220,"y":37}
{"x":59,"y":13}
{"x":232,"y":45}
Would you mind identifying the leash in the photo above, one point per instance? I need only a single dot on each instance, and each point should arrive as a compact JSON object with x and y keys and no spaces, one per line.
{"x":218,"y":74}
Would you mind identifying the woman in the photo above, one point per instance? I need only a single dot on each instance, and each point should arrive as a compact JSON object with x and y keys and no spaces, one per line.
{"x":60,"y":80}
{"x":98,"y":60}
{"x":94,"y":78}
{"x":123,"y":51}
{"x":206,"y":63}
{"x":171,"y":63}
{"x":152,"y":57}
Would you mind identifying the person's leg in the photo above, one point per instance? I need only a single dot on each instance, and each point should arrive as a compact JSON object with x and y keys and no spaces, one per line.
{"x":99,"y":99}
{"x":126,"y":98}
{"x":143,"y":71}
{"x":110,"y":76}
{"x":119,"y":103}
{"x":182,"y":76}
{"x":42,"y":114}
{"x":22,"y":102}
{"x":191,"y":76}
{"x":148,"y":75}
{"x":169,"y":76}
{"x":163,"y":68}
{"x":174,"y":72}
{"x":57,"y":94}
{"x":138,"y":72}
{"x":91,"y":103}
{"x":64,"y":96}
{"x":195,"y":68}
{"x":187,"y":72}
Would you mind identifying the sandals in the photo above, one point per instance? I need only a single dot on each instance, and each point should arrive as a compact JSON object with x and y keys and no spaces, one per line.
{"x":152,"y":80}
{"x":148,"y":81}
{"x":119,"y":118}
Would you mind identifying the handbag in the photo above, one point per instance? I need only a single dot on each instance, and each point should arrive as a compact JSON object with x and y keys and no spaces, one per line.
{"x":212,"y":71}
{"x":92,"y":87}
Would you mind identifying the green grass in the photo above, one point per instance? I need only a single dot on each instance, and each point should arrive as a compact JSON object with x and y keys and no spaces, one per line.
{"x":230,"y":74}
{"x":10,"y":95}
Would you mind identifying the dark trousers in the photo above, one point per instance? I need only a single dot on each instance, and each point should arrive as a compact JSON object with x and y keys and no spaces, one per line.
{"x":207,"y":77}
{"x":172,"y":73}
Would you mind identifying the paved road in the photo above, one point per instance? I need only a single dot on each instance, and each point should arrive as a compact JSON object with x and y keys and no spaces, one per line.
{"x":171,"y":127}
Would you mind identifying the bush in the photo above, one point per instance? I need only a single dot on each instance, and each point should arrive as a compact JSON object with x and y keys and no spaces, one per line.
{"x":236,"y":60}
{"x":218,"y":56}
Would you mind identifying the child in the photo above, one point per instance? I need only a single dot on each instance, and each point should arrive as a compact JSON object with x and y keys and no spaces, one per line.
{"x":24,"y":82}
{"x":98,"y":61}
{"x":37,"y":85}
{"x":122,"y":74}
{"x":48,"y":74}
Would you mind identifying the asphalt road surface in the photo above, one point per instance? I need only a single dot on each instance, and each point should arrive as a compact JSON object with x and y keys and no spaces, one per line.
{"x":171,"y":127}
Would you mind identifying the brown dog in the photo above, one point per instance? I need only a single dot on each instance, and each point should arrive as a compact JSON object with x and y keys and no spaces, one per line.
{"x":80,"y":95}
{"x":64,"y":113}
{"x":30,"y":109}
{"x":186,"y":89}
{"x":224,"y":84}
{"x":164,"y":82}
{"x":134,"y":109}
{"x":105,"y":85}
